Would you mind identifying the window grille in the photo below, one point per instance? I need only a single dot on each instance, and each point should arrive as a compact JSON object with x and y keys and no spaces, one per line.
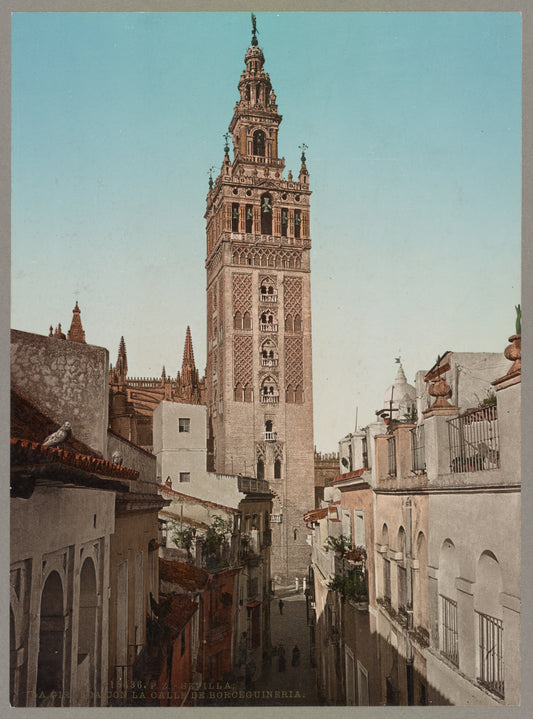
{"x":417,"y":449}
{"x":490,"y":662}
{"x":474,"y":440}
{"x":392,"y":456}
{"x":449,"y":635}
{"x":185,"y":476}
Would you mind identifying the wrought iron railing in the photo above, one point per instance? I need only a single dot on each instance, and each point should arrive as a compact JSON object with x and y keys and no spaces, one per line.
{"x":268,"y":328}
{"x":490,"y":661}
{"x":270,"y":398}
{"x":474,"y":440}
{"x":269,"y":362}
{"x":449,"y":637}
{"x":271,"y":436}
{"x":268,"y":298}
{"x":417,"y":449}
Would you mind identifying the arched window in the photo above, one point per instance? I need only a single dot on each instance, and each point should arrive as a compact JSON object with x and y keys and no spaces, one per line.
{"x":238,"y":392}
{"x":289,"y":394}
{"x":260,"y":469}
{"x":236,"y":258}
{"x":269,"y":390}
{"x":289,"y":325}
{"x":297,"y":323}
{"x":248,"y":393}
{"x":268,"y":425}
{"x":269,"y":354}
{"x":237,"y":321}
{"x":489,"y":620}
{"x":297,"y":223}
{"x":277,"y":469}
{"x":298,"y":394}
{"x":259,"y":142}
{"x":402,"y":572}
{"x":249,"y":219}
{"x":247,"y":321}
{"x":235,"y":217}
{"x":266,"y":214}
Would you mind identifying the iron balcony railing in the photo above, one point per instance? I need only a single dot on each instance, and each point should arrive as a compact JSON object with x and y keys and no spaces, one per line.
{"x":269,"y":362}
{"x":490,"y":660}
{"x":417,"y":449}
{"x":449,"y":637}
{"x":276,"y":518}
{"x":474,"y":440}
{"x":271,"y":436}
{"x":268,"y":328}
{"x":268,"y":298}
{"x":270,"y":398}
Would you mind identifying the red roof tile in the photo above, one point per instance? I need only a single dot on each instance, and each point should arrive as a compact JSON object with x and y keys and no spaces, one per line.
{"x":351,"y":475}
{"x":23,"y":451}
{"x":186,"y":576}
{"x":315,"y":514}
{"x":181,"y":610}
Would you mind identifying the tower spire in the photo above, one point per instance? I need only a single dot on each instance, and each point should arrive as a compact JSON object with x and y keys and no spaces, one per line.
{"x":254,"y":31}
{"x":76,"y":333}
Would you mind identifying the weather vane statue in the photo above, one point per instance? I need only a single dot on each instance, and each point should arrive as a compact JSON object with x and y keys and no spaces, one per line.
{"x":254,"y":30}
{"x":303,"y":147}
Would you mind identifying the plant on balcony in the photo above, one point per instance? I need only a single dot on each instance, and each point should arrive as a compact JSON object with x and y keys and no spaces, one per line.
{"x":340,"y":545}
{"x":489,"y":400}
{"x":213,"y":539}
{"x":184,"y":538}
{"x":352,"y":585}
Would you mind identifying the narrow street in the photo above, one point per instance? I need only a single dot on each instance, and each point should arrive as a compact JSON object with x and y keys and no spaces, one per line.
{"x":291,"y":685}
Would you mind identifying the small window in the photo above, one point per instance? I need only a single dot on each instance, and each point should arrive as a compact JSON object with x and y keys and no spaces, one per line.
{"x":184,"y":424}
{"x":185,"y":476}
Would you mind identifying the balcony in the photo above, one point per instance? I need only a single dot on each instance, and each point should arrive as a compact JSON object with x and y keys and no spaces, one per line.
{"x":276,"y":518}
{"x":270,"y":399}
{"x":250,"y":484}
{"x":474,"y":440}
{"x":268,"y":298}
{"x":269,"y":362}
{"x":271,"y":436}
{"x":268,"y":328}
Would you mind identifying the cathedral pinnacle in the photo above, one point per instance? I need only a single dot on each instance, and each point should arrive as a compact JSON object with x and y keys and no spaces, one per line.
{"x":76,"y":333}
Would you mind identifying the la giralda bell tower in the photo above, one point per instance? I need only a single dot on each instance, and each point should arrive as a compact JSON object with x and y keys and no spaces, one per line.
{"x":259,"y":380}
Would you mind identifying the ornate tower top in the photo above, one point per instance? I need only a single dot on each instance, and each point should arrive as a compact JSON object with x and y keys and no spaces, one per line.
{"x":76,"y":333}
{"x":188,"y":368}
{"x":121,"y":369}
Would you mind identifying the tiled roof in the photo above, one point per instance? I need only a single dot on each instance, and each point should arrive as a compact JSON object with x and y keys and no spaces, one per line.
{"x":24,"y":451}
{"x":205,"y":502}
{"x":315,"y":514}
{"x":181,"y":610}
{"x":183,"y":575}
{"x":351,"y":475}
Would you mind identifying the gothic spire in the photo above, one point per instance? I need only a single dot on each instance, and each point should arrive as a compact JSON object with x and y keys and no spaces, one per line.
{"x":76,"y":333}
{"x":188,"y":352}
{"x":121,"y":368}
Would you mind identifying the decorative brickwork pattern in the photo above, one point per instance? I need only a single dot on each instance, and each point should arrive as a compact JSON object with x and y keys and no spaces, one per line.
{"x":242,"y":360}
{"x":242,"y":292}
{"x":294,"y":367}
{"x":260,"y":450}
{"x":278,"y":451}
{"x":293,"y":295}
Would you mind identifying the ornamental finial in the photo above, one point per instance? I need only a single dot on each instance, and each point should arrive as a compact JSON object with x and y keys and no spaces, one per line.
{"x":303,"y":147}
{"x":211,"y":177}
{"x":254,"y":30}
{"x":226,"y":146}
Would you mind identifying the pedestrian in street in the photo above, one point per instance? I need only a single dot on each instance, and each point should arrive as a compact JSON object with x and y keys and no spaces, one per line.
{"x":295,"y":656}
{"x":280,"y":604}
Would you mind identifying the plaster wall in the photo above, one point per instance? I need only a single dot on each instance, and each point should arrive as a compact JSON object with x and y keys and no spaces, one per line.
{"x":66,"y":381}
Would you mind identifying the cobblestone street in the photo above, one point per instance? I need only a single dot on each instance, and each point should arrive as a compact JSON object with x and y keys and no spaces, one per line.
{"x":293,"y":685}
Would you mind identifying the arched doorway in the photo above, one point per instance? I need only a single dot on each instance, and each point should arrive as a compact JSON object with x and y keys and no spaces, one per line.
{"x":51,"y":643}
{"x":87,"y":635}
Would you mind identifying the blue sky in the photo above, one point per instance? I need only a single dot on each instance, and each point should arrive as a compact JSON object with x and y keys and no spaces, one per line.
{"x":413,"y":122}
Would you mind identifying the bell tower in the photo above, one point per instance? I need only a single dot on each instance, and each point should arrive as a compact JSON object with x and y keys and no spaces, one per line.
{"x":259,"y":374}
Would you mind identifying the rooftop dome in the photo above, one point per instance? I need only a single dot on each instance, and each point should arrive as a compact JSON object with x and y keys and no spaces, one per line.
{"x":402,"y":395}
